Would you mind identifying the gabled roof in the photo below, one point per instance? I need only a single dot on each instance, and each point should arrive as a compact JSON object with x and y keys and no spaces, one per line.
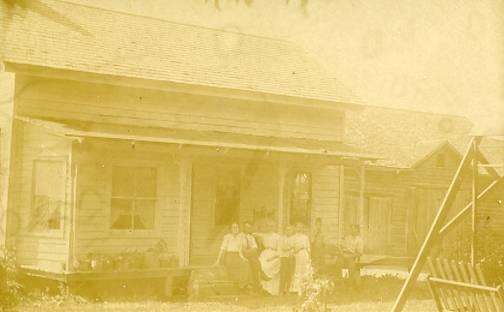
{"x":403,"y":138}
{"x":76,"y":37}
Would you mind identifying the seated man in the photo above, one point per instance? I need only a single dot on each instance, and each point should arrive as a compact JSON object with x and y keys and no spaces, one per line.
{"x":251,"y":252}
{"x":352,"y":248}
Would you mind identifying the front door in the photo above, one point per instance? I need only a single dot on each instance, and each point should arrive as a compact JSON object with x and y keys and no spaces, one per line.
{"x":379,"y":218}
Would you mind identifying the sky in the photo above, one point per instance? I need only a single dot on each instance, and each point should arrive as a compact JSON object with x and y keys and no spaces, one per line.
{"x":442,"y":56}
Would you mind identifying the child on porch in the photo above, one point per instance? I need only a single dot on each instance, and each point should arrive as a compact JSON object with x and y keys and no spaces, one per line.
{"x":353,"y":248}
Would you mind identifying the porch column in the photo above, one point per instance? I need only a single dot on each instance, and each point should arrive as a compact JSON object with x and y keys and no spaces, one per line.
{"x":341,"y":208}
{"x":362,"y":187}
{"x":7,"y":94}
{"x":184,"y":220}
{"x":282,"y":214}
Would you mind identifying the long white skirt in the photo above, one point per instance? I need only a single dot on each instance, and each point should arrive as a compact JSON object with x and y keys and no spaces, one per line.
{"x":270,"y":264}
{"x":302,"y":270}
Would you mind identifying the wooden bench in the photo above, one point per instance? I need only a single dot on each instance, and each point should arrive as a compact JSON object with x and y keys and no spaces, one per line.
{"x":460,"y":287}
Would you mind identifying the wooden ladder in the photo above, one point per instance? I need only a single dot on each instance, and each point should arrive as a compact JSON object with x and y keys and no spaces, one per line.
{"x":460,"y":287}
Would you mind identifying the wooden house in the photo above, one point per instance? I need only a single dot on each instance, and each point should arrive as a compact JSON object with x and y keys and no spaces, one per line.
{"x":420,"y":153}
{"x":120,"y":131}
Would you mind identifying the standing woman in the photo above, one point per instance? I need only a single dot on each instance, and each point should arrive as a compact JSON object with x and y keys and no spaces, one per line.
{"x":302,"y":269}
{"x":235,"y":262}
{"x":270,"y":260}
{"x":317,"y":247}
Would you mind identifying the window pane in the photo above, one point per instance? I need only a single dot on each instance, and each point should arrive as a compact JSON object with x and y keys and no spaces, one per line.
{"x":123,"y":181}
{"x":48,"y":193}
{"x":144,"y":214}
{"x":301,"y":198}
{"x":146,"y":182}
{"x":121,"y":214}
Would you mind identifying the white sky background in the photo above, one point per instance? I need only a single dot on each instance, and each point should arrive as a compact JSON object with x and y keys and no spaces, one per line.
{"x":432,"y":55}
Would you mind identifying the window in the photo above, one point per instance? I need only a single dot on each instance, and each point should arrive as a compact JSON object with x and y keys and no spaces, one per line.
{"x":48,"y":194}
{"x":227,"y":197}
{"x":134,"y":197}
{"x":300,"y":208}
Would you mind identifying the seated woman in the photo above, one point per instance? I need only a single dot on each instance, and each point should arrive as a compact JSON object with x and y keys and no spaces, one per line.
{"x":270,"y":261}
{"x":302,"y":269}
{"x":235,"y":263}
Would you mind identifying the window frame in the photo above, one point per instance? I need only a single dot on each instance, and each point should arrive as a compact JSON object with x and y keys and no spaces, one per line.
{"x":294,"y":172}
{"x":60,"y":232}
{"x":156,"y":230}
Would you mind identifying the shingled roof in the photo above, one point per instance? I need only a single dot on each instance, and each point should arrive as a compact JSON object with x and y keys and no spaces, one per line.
{"x":77,"y":37}
{"x":403,"y":137}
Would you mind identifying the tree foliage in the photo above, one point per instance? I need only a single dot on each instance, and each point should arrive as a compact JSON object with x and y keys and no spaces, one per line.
{"x":303,"y":4}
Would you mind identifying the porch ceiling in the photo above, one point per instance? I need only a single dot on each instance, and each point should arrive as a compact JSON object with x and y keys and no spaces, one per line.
{"x":203,"y":138}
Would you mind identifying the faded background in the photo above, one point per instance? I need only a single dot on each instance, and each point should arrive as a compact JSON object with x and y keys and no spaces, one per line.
{"x":429,"y":55}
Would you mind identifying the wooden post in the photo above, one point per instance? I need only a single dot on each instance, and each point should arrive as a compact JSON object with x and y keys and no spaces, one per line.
{"x":281,"y":198}
{"x":362,"y":188}
{"x":7,"y":94}
{"x":73,"y":214}
{"x":184,"y":220}
{"x":474,"y":217}
{"x":433,"y":234}
{"x":341,"y":208}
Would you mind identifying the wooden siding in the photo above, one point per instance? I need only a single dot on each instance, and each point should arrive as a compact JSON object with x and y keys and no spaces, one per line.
{"x":47,"y":249}
{"x":94,"y":181}
{"x":416,"y":195}
{"x":130,"y":106}
{"x":383,"y":191}
{"x":326,"y":199}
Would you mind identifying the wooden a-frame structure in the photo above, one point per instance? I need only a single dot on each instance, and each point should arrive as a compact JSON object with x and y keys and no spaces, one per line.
{"x":472,"y":159}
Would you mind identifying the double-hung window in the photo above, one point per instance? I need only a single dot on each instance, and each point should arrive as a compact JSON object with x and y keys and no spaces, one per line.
{"x":134,"y":198}
{"x":48,"y":194}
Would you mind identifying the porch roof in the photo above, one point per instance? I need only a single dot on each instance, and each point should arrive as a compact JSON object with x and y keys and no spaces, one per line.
{"x":203,"y":138}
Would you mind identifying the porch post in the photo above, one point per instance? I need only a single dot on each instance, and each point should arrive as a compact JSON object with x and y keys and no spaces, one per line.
{"x":184,"y":220}
{"x":281,"y":198}
{"x":7,"y":94}
{"x":341,"y":208}
{"x":362,"y":187}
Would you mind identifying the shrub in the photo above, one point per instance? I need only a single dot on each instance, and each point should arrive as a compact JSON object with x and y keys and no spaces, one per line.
{"x":314,"y":292}
{"x":10,"y":289}
{"x":489,"y":253}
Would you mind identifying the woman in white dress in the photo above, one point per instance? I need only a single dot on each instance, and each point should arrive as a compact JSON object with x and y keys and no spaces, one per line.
{"x":303,"y":268}
{"x":270,"y":261}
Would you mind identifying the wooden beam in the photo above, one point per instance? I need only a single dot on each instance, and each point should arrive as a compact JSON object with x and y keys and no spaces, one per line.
{"x":184,"y":220}
{"x":341,"y":211}
{"x":486,"y":165}
{"x":433,"y":234}
{"x":458,"y":217}
{"x":474,"y":200}
{"x":362,"y":189}
{"x":281,"y":198}
{"x":7,"y":112}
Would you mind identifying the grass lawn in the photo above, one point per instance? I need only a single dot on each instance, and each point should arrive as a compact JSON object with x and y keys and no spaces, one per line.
{"x":413,"y":305}
{"x":375,"y":294}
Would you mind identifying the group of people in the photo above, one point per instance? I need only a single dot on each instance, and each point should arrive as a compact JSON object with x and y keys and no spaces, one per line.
{"x":267,"y":261}
{"x":277,"y":264}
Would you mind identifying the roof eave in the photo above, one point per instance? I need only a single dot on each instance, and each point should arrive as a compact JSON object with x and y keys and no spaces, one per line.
{"x":171,"y":86}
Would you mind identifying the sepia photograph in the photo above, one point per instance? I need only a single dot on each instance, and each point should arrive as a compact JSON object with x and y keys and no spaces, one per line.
{"x":252,"y":155}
